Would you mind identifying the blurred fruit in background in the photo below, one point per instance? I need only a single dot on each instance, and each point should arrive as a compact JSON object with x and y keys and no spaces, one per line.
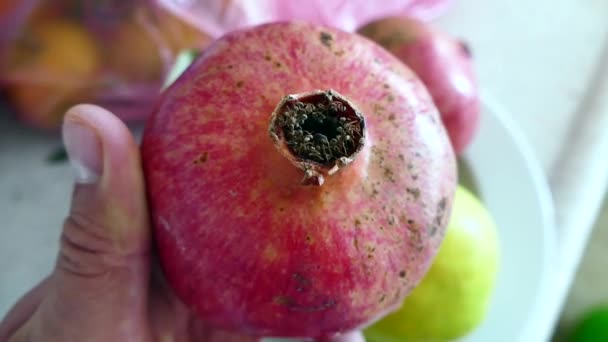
{"x":454,"y":297}
{"x":6,"y":7}
{"x":49,"y":66}
{"x":445,"y":66}
{"x":143,"y":52}
{"x":112,"y":53}
{"x":135,"y":55}
{"x":136,"y":42}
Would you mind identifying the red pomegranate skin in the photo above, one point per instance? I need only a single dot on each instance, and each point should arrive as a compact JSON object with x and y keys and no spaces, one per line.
{"x":248,"y":247}
{"x":445,"y":66}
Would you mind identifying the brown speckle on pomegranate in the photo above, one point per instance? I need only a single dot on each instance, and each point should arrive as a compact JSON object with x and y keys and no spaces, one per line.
{"x":415,"y":192}
{"x":326,"y":38}
{"x":202,"y":158}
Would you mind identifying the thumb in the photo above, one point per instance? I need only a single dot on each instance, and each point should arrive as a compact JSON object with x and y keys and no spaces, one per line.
{"x":99,"y":285}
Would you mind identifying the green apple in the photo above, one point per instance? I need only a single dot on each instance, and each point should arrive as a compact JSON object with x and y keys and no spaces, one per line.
{"x":454,"y":296}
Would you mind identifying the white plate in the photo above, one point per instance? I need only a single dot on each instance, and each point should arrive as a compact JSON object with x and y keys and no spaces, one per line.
{"x":510,"y":182}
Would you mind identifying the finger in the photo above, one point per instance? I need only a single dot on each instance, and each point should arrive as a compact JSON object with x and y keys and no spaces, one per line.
{"x":22,"y":310}
{"x":99,"y":283}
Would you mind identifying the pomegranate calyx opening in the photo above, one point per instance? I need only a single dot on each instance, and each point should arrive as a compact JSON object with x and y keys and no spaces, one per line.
{"x":320,"y":132}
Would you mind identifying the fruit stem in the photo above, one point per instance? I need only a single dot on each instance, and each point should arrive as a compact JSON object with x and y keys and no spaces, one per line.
{"x":320,"y":132}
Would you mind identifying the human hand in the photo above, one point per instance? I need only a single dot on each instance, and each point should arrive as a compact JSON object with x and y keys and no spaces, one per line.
{"x":104,"y":286}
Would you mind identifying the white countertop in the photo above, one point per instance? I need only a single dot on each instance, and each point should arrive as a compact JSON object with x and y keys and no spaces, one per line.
{"x":537,"y":58}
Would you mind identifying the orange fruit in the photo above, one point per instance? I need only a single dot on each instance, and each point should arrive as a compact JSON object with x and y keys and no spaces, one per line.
{"x":50,"y":65}
{"x":134,"y":54}
{"x":137,"y":51}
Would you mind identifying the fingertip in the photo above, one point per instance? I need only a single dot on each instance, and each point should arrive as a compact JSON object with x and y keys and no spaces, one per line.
{"x":105,"y":123}
{"x":120,"y":160}
{"x":86,"y":113}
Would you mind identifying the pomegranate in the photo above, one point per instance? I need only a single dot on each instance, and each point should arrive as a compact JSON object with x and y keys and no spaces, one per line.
{"x":443,"y":63}
{"x":300,"y":181}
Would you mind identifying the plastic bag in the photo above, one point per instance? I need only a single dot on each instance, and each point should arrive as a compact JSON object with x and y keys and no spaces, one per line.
{"x":216,"y":17}
{"x":115,"y":53}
